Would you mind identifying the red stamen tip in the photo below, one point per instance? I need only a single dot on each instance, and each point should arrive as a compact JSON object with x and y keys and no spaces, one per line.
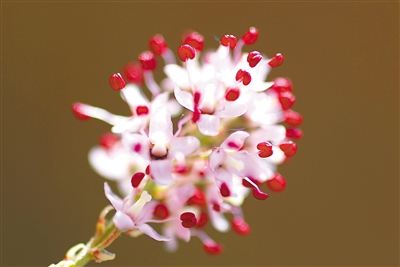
{"x":137,"y":178}
{"x":161,"y":211}
{"x":225,"y":192}
{"x":142,"y":110}
{"x":292,"y":118}
{"x":276,"y":61}
{"x":213,"y":249}
{"x":195,"y":40}
{"x":251,"y":36}
{"x":294,"y":133}
{"x":265,"y":149}
{"x":230,"y":40}
{"x":133,"y":72}
{"x":108,"y":140}
{"x":198,"y":198}
{"x":260,"y":195}
{"x":289,"y":148}
{"x":277,"y":183}
{"x":286,"y":99}
{"x":77,"y":109}
{"x":157,"y":45}
{"x":186,"y":52}
{"x":188,"y":219}
{"x":202,"y":220}
{"x":282,"y":85}
{"x":147,"y":60}
{"x":243,"y":76}
{"x":117,"y":82}
{"x":253,"y":58}
{"x":232,"y":94}
{"x":240,"y":226}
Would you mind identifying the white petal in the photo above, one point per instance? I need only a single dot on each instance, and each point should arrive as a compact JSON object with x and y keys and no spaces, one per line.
{"x":161,"y":171}
{"x":274,"y":133}
{"x":160,"y":129}
{"x":217,"y":157}
{"x":115,"y":200}
{"x":208,"y":124}
{"x":148,"y":230}
{"x":123,"y":222}
{"x":232,"y":109}
{"x":184,"y":98}
{"x":186,"y":145}
{"x":177,"y":74}
{"x":113,"y":165}
{"x":159,"y":101}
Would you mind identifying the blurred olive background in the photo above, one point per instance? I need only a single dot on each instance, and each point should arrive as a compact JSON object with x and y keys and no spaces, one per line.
{"x":341,"y":205}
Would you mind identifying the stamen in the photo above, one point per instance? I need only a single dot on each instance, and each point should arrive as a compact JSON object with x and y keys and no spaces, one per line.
{"x":277,"y":183}
{"x":292,"y":118}
{"x":188,"y":219}
{"x":136,"y":179}
{"x":133,"y":73}
{"x":240,"y":226}
{"x":294,"y":133}
{"x":253,"y":58}
{"x":142,"y":110}
{"x":232,"y":94}
{"x":289,"y":148}
{"x":282,"y":85}
{"x":251,"y":36}
{"x":161,"y":211}
{"x":195,"y":40}
{"x":256,"y":192}
{"x":243,"y":76}
{"x":137,"y":147}
{"x":265,"y":149}
{"x":230,"y":40}
{"x":78,"y":110}
{"x":157,"y":45}
{"x":276,"y":61}
{"x":216,"y":207}
{"x":225,"y":192}
{"x":186,"y":52}
{"x":286,"y":99}
{"x":203,"y":219}
{"x":147,"y":61}
{"x":197,"y":199}
{"x":147,"y":171}
{"x":245,"y":182}
{"x":213,"y":248}
{"x":136,"y":208}
{"x":117,"y":82}
{"x":108,"y":140}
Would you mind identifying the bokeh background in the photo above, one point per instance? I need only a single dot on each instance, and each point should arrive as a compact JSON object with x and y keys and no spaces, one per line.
{"x":341,"y":205}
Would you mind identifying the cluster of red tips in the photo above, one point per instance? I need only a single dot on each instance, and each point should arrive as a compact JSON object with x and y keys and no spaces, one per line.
{"x":232,"y":94}
{"x":186,"y":52}
{"x":240,"y":226}
{"x":277,"y":183}
{"x":137,"y":178}
{"x":203,"y":219}
{"x":292,"y":118}
{"x":276,"y":61}
{"x":289,"y":148}
{"x":258,"y":194}
{"x":157,"y":45}
{"x":243,"y":76}
{"x":251,"y":36}
{"x":117,"y":82}
{"x":108,"y":140}
{"x":133,"y":73}
{"x":265,"y":149}
{"x":286,"y":99}
{"x":142,"y":110}
{"x":294,"y":133}
{"x":253,"y":58}
{"x":77,"y":109}
{"x":229,"y":40}
{"x":195,"y":40}
{"x":161,"y":211}
{"x":197,"y":199}
{"x":225,"y":192}
{"x":213,"y":249}
{"x":188,"y":219}
{"x":148,"y":61}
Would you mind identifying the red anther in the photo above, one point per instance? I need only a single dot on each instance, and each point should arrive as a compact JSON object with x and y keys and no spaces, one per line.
{"x":196,"y":98}
{"x":108,"y":140}
{"x":216,"y":207}
{"x":203,"y":219}
{"x":282,"y":85}
{"x":225,"y":192}
{"x":277,"y":183}
{"x":294,"y":133}
{"x":186,"y":52}
{"x":258,"y":194}
{"x":265,"y":149}
{"x":213,"y":249}
{"x":289,"y":148}
{"x":117,"y":82}
{"x":251,"y":36}
{"x":147,"y":60}
{"x":230,"y":40}
{"x":253,"y":58}
{"x":188,"y":219}
{"x":161,"y":211}
{"x":196,"y":115}
{"x":195,"y":40}
{"x":240,"y":226}
{"x":243,"y":76}
{"x":276,"y":61}
{"x":292,"y":118}
{"x":137,"y":178}
{"x":233,"y":145}
{"x":197,"y":199}
{"x":147,"y":171}
{"x":245,"y":183}
{"x":137,"y":147}
{"x":77,"y":110}
{"x":133,"y":72}
{"x":286,"y":99}
{"x":142,"y":110}
{"x":157,"y":45}
{"x":232,"y":94}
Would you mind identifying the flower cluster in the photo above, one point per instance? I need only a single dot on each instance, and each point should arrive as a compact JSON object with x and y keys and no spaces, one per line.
{"x":198,"y":143}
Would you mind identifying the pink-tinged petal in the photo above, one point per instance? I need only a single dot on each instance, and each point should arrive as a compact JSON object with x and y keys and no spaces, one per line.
{"x":146,"y":214}
{"x":232,"y":109}
{"x":161,"y":171}
{"x":177,"y":74}
{"x":123,"y":222}
{"x":160,"y":129}
{"x":217,"y":157}
{"x":235,"y":141}
{"x":171,"y":245}
{"x":115,"y":200}
{"x":136,"y":143}
{"x":148,"y":230}
{"x":182,"y":232}
{"x":186,"y":145}
{"x":113,"y":165}
{"x":208,"y":124}
{"x":184,"y":98}
{"x":133,"y":95}
{"x":274,"y":133}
